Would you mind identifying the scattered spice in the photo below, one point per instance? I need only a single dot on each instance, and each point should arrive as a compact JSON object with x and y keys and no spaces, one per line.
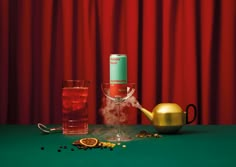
{"x":143,"y":134}
{"x":91,"y":143}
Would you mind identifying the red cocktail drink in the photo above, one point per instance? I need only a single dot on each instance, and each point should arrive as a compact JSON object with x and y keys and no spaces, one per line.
{"x":74,"y":110}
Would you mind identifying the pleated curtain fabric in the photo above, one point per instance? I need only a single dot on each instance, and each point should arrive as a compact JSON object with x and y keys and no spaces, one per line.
{"x":180,"y":51}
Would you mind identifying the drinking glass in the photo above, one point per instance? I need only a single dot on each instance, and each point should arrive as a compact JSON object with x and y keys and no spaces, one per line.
{"x":74,"y":107}
{"x":118,"y":94}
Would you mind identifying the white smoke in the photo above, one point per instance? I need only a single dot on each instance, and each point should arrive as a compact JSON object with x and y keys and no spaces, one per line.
{"x":133,"y":102}
{"x":114,"y":114}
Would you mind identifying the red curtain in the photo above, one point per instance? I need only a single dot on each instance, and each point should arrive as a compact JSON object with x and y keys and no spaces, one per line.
{"x":180,"y":51}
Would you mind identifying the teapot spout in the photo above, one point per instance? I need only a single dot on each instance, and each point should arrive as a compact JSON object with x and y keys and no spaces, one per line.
{"x":147,"y":113}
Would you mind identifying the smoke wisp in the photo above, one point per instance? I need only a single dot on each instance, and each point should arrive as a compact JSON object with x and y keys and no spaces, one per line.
{"x":114,"y":114}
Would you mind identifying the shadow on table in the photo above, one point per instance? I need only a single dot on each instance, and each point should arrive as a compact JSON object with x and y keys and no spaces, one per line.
{"x":189,"y":132}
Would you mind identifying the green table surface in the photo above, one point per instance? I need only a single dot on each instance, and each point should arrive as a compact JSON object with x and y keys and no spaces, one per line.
{"x":197,"y":145}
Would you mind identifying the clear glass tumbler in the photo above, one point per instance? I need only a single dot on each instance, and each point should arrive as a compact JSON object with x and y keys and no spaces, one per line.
{"x":75,"y":107}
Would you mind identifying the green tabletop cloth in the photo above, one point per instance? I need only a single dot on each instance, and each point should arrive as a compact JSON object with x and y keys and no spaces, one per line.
{"x":212,"y":145}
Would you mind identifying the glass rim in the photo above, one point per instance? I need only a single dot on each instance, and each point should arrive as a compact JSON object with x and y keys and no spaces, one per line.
{"x":75,"y":83}
{"x":75,"y":80}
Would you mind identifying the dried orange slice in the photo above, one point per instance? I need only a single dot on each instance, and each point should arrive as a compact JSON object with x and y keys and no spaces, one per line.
{"x":89,"y":142}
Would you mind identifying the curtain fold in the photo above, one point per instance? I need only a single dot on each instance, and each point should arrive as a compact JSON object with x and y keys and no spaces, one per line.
{"x":180,"y":51}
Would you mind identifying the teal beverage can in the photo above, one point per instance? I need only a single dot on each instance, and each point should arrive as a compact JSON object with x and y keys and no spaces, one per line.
{"x":118,"y":75}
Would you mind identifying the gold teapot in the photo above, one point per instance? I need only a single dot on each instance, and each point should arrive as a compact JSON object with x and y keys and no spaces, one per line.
{"x":169,"y":117}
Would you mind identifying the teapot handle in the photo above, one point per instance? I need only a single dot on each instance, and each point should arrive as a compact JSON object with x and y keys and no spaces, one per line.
{"x":195,"y":113}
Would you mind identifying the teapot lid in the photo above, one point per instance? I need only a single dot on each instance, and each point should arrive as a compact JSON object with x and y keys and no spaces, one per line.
{"x":167,"y":108}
